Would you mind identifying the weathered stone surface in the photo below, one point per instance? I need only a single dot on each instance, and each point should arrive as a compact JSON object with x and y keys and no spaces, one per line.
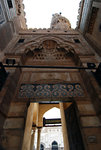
{"x":2,"y":119}
{"x":47,"y":47}
{"x":13,"y":123}
{"x":93,"y":89}
{"x":17,"y":109}
{"x":7,"y":33}
{"x":12,"y":139}
{"x":91,"y":121}
{"x":95,"y":134}
{"x":86,"y":109}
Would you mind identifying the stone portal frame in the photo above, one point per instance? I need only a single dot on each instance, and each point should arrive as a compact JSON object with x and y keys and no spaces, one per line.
{"x":68,"y":48}
{"x":38,"y":41}
{"x":49,"y":51}
{"x":49,"y":81}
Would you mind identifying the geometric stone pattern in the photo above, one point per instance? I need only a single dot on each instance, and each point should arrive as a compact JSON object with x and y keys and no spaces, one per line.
{"x":49,"y":56}
{"x":50,"y":90}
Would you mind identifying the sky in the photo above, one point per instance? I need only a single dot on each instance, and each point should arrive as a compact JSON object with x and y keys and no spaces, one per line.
{"x":52,"y":113}
{"x":39,"y":12}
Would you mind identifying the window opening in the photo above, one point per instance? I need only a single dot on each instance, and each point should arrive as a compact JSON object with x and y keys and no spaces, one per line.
{"x":97,"y":74}
{"x":76,"y":40}
{"x":21,"y":40}
{"x":41,"y":147}
{"x":10,"y":3}
{"x":100,"y":27}
{"x":3,"y":75}
{"x":54,"y":145}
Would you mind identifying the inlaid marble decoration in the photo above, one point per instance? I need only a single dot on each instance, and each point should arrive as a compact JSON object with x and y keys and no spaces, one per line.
{"x":50,"y":90}
{"x":2,"y":19}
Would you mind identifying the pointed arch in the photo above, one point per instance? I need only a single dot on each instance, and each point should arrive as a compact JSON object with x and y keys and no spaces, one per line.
{"x":44,"y":108}
{"x":35,"y":42}
{"x":42,"y":147}
{"x":54,"y":145}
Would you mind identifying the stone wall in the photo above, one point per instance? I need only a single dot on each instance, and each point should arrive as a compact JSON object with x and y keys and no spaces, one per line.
{"x":11,"y":115}
{"x":13,"y":109}
{"x":7,"y":32}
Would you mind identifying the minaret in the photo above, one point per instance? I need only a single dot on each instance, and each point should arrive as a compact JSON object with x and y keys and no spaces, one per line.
{"x":60,"y":22}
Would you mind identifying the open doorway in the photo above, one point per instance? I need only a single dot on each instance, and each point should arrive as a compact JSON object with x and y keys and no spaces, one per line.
{"x":50,"y":126}
{"x":51,"y":133}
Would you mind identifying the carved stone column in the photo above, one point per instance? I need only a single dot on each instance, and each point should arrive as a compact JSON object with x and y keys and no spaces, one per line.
{"x":32,"y":139}
{"x":38,"y":138}
{"x":28,"y":128}
{"x":64,"y":129}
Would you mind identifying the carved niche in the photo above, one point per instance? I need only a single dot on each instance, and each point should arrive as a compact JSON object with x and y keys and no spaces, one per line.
{"x":50,"y":50}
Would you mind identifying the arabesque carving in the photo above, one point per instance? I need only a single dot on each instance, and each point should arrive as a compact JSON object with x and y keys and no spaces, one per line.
{"x":49,"y":50}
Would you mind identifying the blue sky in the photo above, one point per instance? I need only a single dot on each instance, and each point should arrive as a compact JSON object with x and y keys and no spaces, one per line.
{"x":39,"y":12}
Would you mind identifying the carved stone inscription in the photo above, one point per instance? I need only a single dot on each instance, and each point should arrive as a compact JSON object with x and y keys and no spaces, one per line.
{"x":50,"y":90}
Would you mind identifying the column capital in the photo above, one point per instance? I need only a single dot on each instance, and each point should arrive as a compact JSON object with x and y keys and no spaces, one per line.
{"x":39,"y":128}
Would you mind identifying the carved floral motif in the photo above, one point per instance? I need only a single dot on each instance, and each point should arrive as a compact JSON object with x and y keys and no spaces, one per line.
{"x":50,"y":90}
{"x":50,"y":50}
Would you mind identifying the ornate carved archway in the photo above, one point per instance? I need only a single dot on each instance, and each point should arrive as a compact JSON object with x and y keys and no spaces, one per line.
{"x":49,"y":51}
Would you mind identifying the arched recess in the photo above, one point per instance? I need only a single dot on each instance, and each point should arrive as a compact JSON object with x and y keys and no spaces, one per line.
{"x":54,"y":145}
{"x":50,"y":51}
{"x":43,"y":108}
{"x":37,"y":42}
{"x":31,"y":45}
{"x":42,"y":147}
